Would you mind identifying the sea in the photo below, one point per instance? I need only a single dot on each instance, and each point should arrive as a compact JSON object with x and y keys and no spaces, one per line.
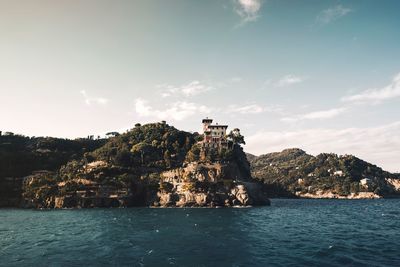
{"x":290,"y":232}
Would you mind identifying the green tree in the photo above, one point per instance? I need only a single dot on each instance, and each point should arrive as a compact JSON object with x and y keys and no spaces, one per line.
{"x":167,"y":159}
{"x":236,"y":137}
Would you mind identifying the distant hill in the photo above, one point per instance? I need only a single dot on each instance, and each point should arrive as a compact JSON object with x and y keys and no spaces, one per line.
{"x":294,"y":172}
{"x":250,"y":157}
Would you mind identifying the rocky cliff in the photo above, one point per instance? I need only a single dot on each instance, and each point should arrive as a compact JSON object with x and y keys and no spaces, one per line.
{"x":151,"y":165}
{"x":208,"y":185}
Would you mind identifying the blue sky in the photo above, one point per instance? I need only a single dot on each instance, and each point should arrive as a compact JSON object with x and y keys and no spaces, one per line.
{"x":320,"y":75}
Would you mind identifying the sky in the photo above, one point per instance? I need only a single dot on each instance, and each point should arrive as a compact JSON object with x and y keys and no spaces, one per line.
{"x":323,"y":76}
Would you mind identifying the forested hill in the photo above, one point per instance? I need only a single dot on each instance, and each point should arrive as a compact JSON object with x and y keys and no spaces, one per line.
{"x":126,"y":169}
{"x":131,"y":166}
{"x":295,"y":171}
{"x":155,"y":146}
{"x":21,"y":156}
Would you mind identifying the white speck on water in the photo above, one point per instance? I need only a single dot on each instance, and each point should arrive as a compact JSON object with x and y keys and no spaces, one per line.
{"x":330,"y":247}
{"x":150,"y":251}
{"x":141,"y":263}
{"x":195,"y":224}
{"x":171,"y":261}
{"x":157,"y":231}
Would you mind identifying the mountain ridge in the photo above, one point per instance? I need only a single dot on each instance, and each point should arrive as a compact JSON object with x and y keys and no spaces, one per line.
{"x":327,"y":175}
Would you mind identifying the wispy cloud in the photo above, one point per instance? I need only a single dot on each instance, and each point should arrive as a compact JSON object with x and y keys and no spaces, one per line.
{"x":379,"y":145}
{"x":331,"y":14}
{"x":246,"y":109}
{"x":176,"y":111}
{"x":288,"y":80}
{"x":93,"y":100}
{"x":188,"y":90}
{"x":321,"y":114}
{"x":248,"y":10}
{"x":375,"y":96}
{"x":253,"y":108}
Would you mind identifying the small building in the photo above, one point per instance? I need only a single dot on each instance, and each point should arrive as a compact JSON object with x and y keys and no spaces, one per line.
{"x":214,"y":134}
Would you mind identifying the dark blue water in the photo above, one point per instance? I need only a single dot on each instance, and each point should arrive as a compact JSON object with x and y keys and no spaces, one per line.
{"x":289,"y":233}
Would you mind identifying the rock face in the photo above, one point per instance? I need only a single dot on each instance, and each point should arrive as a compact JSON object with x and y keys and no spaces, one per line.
{"x":41,"y":191}
{"x":395,"y":183}
{"x":195,"y":185}
{"x":331,"y":195}
{"x":207,"y":185}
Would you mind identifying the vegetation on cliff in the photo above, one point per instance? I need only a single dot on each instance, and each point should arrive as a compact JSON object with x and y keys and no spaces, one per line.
{"x":126,"y":169}
{"x":21,"y":156}
{"x":156,"y":145}
{"x":294,"y":171}
{"x":134,"y":168}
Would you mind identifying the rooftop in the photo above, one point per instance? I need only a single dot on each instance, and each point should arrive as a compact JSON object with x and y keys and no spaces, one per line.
{"x":217,"y":125}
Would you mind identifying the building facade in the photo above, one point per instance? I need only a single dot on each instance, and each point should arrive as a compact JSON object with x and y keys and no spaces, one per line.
{"x":214,"y":134}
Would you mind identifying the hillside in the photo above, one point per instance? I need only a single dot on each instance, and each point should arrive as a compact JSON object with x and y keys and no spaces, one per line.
{"x":293,"y":172}
{"x":158,"y":165}
{"x":21,"y":156}
{"x":134,"y":169}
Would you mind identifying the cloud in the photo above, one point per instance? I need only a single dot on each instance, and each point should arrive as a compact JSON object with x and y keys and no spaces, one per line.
{"x":288,"y":80}
{"x":246,"y":109}
{"x":376,"y":96}
{"x":188,"y":90}
{"x":253,"y":109}
{"x":248,"y":10}
{"x":93,"y":100}
{"x":176,"y":111}
{"x":321,"y":114}
{"x":379,"y":145}
{"x":331,"y":14}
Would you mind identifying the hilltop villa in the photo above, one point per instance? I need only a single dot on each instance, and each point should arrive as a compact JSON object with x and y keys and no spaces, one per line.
{"x":214,"y":135}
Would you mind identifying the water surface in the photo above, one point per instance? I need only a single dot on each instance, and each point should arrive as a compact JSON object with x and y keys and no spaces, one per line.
{"x":288,"y":233}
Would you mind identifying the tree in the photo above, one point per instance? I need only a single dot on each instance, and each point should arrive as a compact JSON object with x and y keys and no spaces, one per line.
{"x":123,"y":158}
{"x":112,"y":134}
{"x":235,"y":137}
{"x":193,"y":154}
{"x":211,"y":155}
{"x":167,"y":159}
